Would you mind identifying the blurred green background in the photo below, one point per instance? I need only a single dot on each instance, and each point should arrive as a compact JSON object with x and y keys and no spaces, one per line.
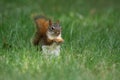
{"x":90,"y":28}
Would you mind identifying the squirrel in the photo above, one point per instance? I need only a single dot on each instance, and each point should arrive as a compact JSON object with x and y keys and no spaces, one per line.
{"x":47,"y":32}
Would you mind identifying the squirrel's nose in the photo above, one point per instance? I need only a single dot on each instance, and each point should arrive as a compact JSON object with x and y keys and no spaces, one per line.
{"x":57,"y":33}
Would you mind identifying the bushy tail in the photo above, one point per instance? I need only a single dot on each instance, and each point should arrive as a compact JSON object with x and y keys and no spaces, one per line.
{"x":39,"y":20}
{"x":39,"y":17}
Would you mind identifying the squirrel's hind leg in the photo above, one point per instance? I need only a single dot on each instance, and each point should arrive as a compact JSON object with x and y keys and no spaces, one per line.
{"x":36,"y":39}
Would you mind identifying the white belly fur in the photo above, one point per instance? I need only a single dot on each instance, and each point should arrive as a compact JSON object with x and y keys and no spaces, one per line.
{"x":53,"y":49}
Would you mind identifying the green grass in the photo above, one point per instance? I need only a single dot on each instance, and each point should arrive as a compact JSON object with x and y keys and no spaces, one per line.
{"x":91,"y":30}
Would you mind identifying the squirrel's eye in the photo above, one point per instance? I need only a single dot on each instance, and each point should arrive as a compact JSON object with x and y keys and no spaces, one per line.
{"x":52,"y":28}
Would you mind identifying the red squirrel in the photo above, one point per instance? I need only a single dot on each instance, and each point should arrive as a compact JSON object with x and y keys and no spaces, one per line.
{"x":47,"y":32}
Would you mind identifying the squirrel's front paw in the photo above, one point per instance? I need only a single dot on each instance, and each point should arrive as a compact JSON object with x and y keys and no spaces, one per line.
{"x":60,"y":40}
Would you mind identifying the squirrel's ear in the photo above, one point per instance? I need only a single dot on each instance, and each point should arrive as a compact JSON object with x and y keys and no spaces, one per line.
{"x":57,"y":22}
{"x":50,"y":22}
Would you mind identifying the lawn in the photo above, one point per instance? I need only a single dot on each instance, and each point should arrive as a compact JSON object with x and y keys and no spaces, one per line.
{"x":90,"y":28}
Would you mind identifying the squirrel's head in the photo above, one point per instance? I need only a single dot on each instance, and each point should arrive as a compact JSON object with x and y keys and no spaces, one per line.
{"x":54,"y":28}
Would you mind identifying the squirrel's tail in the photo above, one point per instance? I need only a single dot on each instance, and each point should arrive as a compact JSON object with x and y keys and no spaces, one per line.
{"x":41,"y":22}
